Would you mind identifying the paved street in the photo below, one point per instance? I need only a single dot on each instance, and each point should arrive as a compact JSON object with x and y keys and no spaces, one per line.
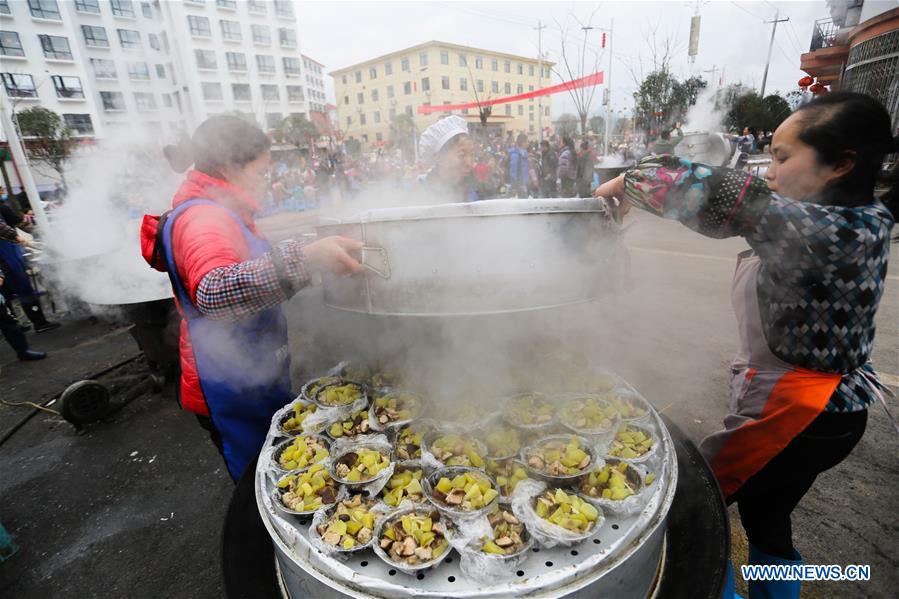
{"x":138,"y":501}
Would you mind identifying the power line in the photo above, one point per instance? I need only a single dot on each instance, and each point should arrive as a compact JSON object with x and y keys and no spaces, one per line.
{"x":748,"y":12}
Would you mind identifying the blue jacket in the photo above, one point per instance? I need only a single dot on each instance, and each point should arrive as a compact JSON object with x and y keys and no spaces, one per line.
{"x":518,"y":165}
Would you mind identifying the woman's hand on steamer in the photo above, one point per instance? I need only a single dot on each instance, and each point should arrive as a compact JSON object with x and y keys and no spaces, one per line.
{"x":614,"y":189}
{"x":332,"y":254}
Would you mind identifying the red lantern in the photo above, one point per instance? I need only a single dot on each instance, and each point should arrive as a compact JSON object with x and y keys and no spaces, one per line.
{"x":818,"y":88}
{"x":805,"y":82}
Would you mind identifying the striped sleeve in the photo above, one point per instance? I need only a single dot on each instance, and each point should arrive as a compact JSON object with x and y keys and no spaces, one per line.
{"x":714,"y":201}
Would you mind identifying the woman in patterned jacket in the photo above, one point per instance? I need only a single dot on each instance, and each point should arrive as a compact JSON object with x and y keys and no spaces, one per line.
{"x":805,"y":297}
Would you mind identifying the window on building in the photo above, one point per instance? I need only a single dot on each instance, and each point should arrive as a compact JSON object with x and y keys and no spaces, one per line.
{"x":295,"y":93}
{"x":520,"y":89}
{"x":531,"y":70}
{"x":230,"y":30}
{"x":520,"y":68}
{"x":390,"y":93}
{"x":104,"y":68}
{"x":139,"y":71}
{"x":291,"y":65}
{"x":374,"y":95}
{"x":360,"y":98}
{"x":365,"y":138}
{"x":122,"y":8}
{"x":265,"y":63}
{"x":463,"y":84}
{"x":287,"y":37}
{"x":409,"y":110}
{"x":284,"y":8}
{"x":358,"y":76}
{"x":346,"y":100}
{"x":95,"y":37}
{"x":55,"y":47}
{"x":19,"y":85}
{"x":160,"y":71}
{"x":463,"y":60}
{"x":444,"y":57}
{"x":91,"y":6}
{"x":257,"y":6}
{"x":479,"y":62}
{"x":147,"y":10}
{"x":270,"y":92}
{"x":4,"y":7}
{"x":404,"y":64}
{"x":237,"y":61}
{"x":546,"y":111}
{"x":79,"y":123}
{"x":377,"y":117}
{"x":68,"y":87}
{"x":129,"y":39}
{"x":507,"y":66}
{"x":480,"y":85}
{"x":546,"y":72}
{"x":494,"y":87}
{"x":423,"y":59}
{"x":241,"y":92}
{"x":10,"y":44}
{"x":373,"y":73}
{"x":361,"y":118}
{"x":206,"y":59}
{"x":211,"y":90}
{"x":407,"y":88}
{"x":392,"y":113}
{"x":199,"y":26}
{"x":145,"y":100}
{"x":44,"y":9}
{"x":507,"y":88}
{"x":112,"y":101}
{"x":262,"y":34}
{"x":379,"y":136}
{"x":508,"y":110}
{"x":425,"y":84}
{"x":154,"y":40}
{"x":229,"y":4}
{"x":494,"y":64}
{"x":388,"y":68}
{"x":520,"y":110}
{"x":531,"y":116}
{"x":343,"y":79}
{"x":273,"y":120}
{"x":444,"y":83}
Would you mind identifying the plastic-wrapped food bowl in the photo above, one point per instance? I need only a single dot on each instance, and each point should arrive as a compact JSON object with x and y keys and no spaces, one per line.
{"x":573,"y":417}
{"x":536,"y":464}
{"x":635,"y":477}
{"x":502,"y":440}
{"x":530,"y":411}
{"x":548,"y":534}
{"x":280,"y":469}
{"x":380,"y":417}
{"x":405,"y":445}
{"x":311,"y":388}
{"x":306,"y":408}
{"x":322,"y":517}
{"x":422,"y":512}
{"x":343,"y":452}
{"x":447,"y":509}
{"x":432,"y":459}
{"x":632,"y":408}
{"x":320,"y":398}
{"x":616,"y":446}
{"x":503,"y":472}
{"x":336,"y":494}
{"x":396,"y":495}
{"x":477,"y":564}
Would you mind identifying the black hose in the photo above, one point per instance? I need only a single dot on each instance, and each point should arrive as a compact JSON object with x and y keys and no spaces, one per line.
{"x":8,"y":435}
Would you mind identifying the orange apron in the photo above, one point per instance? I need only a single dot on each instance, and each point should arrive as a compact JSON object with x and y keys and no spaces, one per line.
{"x":771,"y":401}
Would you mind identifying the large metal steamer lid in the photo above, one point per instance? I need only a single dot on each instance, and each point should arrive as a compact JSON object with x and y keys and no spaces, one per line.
{"x":488,"y":257}
{"x":708,"y":148}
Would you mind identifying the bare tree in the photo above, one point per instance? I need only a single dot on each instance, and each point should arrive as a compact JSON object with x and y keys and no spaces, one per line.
{"x":577,"y":64}
{"x":484,"y":110}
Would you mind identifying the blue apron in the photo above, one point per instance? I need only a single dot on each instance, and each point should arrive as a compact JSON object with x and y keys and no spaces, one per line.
{"x":12,"y":256}
{"x":243,"y":366}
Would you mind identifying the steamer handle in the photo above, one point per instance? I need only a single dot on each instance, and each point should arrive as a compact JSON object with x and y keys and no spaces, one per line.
{"x":375,"y":259}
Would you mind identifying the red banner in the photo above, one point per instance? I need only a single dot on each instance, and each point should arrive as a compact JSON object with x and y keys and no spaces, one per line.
{"x":594,"y":79}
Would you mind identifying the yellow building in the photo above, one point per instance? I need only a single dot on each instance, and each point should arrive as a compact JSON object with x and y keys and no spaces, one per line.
{"x":370,"y":94}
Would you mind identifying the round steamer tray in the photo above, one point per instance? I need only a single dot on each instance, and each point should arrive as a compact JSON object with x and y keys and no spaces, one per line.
{"x":623,"y":559}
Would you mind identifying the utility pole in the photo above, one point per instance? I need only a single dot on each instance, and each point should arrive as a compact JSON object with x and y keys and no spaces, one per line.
{"x":771,"y":46}
{"x":540,"y":27}
{"x":605,"y":143}
{"x":17,"y":149}
{"x":714,"y":70}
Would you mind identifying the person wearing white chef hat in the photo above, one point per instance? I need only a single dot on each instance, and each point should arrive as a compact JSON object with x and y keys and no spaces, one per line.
{"x":448,"y":147}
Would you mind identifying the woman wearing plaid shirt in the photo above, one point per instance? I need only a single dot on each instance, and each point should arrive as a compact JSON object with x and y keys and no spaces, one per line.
{"x":229,"y":283}
{"x":805,"y":296}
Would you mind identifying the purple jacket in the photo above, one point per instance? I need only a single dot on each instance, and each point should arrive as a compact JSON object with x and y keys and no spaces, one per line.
{"x":567,"y":167}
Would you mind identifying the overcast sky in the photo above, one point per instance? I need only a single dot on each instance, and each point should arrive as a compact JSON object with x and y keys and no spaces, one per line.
{"x":733,"y":36}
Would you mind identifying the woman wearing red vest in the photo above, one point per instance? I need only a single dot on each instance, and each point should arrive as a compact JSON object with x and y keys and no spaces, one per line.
{"x":805,"y":298}
{"x":229,"y":283}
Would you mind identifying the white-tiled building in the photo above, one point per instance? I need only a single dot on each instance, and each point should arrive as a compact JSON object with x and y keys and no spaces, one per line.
{"x":102,"y":64}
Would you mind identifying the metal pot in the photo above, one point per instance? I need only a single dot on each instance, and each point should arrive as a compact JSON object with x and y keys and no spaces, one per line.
{"x":708,"y":148}
{"x":476,"y":258}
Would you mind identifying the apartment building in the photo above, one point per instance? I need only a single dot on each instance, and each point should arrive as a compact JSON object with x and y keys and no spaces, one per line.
{"x":106,"y":64}
{"x":371,"y":93}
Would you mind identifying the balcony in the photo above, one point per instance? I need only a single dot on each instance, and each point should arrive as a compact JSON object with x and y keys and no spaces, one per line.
{"x":827,"y":53}
{"x":824,"y":35}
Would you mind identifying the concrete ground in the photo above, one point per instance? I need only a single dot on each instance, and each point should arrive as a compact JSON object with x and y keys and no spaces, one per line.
{"x":134,"y":507}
